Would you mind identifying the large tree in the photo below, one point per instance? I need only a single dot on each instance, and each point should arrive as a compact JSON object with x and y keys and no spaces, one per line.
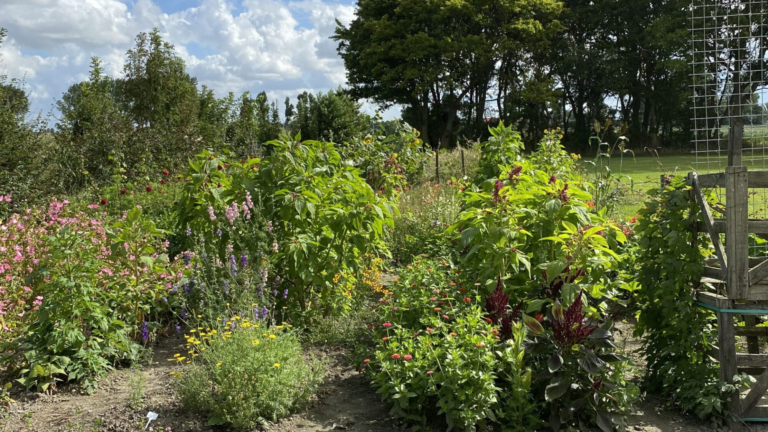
{"x":429,"y":55}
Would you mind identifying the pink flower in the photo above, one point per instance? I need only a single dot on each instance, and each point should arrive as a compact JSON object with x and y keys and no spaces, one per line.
{"x":387,"y":325}
{"x":395,"y":356}
{"x":211,"y":214}
{"x":432,"y":299}
{"x":407,"y":357}
{"x":430,"y":372}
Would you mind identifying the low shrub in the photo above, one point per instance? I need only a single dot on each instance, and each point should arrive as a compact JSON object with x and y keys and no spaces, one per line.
{"x":437,"y":351}
{"x":245,"y":375}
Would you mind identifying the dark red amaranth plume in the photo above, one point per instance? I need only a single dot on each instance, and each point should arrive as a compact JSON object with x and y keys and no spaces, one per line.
{"x":515,"y":172}
{"x":496,"y":190}
{"x":574,"y":328}
{"x":564,"y":194}
{"x":496,"y":304}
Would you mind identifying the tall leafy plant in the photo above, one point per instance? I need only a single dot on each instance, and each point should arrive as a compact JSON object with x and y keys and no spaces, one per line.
{"x":677,"y":335}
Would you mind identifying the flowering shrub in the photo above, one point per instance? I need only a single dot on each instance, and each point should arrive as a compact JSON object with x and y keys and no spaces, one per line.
{"x":245,"y":376}
{"x":389,"y":160}
{"x":323,"y":216}
{"x":436,"y":348}
{"x":97,"y":291}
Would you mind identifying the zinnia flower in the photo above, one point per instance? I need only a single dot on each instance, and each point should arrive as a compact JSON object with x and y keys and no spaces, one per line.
{"x":395,"y":356}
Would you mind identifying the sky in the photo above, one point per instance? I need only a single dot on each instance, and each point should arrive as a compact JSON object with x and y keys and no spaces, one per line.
{"x":278,"y":46}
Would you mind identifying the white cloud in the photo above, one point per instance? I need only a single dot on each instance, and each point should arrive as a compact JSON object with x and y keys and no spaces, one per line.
{"x":282,"y":47}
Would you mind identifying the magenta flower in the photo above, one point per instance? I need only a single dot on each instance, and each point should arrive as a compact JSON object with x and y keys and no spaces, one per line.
{"x":407,"y":357}
{"x":387,"y":325}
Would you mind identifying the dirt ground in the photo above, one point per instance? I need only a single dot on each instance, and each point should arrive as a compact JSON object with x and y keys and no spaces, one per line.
{"x":345,"y":402}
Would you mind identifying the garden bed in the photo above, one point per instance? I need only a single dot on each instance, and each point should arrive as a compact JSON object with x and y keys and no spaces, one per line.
{"x":345,"y":399}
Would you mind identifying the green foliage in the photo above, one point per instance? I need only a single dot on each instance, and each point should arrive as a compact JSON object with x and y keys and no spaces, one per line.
{"x":324,"y":217}
{"x":390,"y":159}
{"x":331,"y":116}
{"x":434,"y":352}
{"x":429,"y":56}
{"x":502,"y":150}
{"x":247,"y":377}
{"x":581,"y":376}
{"x":75,"y":334}
{"x":19,"y":140}
{"x":425,"y":212}
{"x":677,"y":334}
{"x":98,"y":291}
{"x":436,"y":349}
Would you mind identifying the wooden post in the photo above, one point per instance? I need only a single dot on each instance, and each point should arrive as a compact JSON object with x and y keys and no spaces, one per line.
{"x":726,"y":344}
{"x":737,"y":231}
{"x":753,"y":345}
{"x":735,"y":136}
{"x":463,"y":170}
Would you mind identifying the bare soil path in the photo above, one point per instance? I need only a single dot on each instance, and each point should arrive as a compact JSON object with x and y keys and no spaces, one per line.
{"x":345,"y":402}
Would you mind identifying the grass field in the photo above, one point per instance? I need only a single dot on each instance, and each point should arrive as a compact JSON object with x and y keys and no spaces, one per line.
{"x":640,"y":174}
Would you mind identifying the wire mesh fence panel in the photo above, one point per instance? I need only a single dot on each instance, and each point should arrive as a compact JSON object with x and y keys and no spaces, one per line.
{"x":729,"y":87}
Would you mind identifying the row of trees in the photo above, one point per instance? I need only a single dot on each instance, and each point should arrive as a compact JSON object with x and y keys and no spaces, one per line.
{"x":456,"y":66}
{"x":153,"y":118}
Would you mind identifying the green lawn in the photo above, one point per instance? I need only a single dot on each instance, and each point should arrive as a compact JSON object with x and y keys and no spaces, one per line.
{"x":642,"y":173}
{"x":645,"y":173}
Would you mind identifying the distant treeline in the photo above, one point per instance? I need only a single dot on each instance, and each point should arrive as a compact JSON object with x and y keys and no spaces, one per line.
{"x":154,"y":118}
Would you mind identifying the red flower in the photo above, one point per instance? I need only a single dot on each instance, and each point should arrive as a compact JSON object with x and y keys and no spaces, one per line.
{"x":480,"y":345}
{"x":429,"y":330}
{"x":367,"y":361}
{"x":395,"y":356}
{"x":467,"y":300}
{"x":103,"y":201}
{"x":386,"y":325}
{"x":432,"y":299}
{"x":162,"y":181}
{"x":407,"y":357}
{"x":633,"y":220}
{"x":165,"y":172}
{"x":462,"y":290}
{"x":149,"y":188}
{"x":220,"y":167}
{"x":122,"y":191}
{"x":384,"y":338}
{"x":540,"y":317}
{"x":370,"y":327}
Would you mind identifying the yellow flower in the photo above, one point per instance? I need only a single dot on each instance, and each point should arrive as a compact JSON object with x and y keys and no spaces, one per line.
{"x":199,"y":316}
{"x":394,"y":155}
{"x":277,"y":365}
{"x":272,"y":336}
{"x":192,"y":331}
{"x":218,"y":364}
{"x":176,"y":355}
{"x":180,"y":359}
{"x":255,"y":342}
{"x":279,"y":327}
